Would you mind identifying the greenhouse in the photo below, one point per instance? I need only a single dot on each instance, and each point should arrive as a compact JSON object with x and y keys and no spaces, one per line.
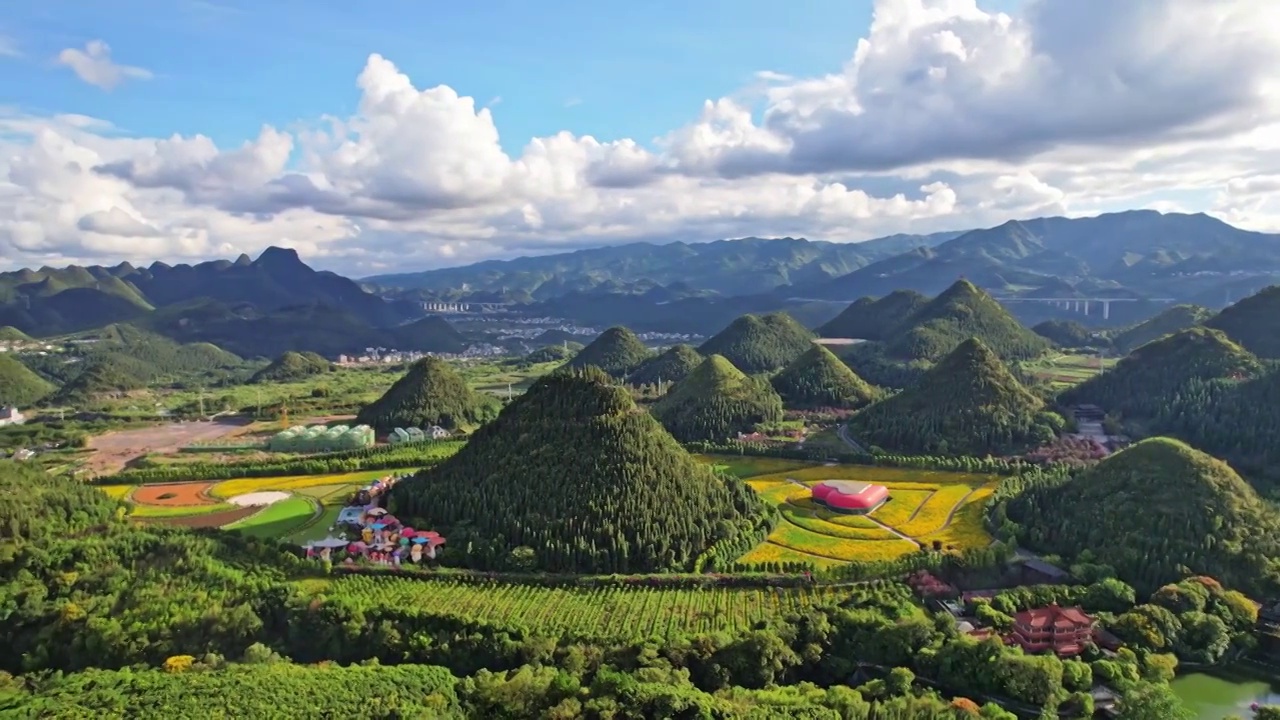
{"x":321,"y":438}
{"x":407,"y":435}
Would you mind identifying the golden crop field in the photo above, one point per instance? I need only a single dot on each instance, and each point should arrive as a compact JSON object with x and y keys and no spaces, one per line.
{"x":925,"y":506}
{"x":240,"y":486}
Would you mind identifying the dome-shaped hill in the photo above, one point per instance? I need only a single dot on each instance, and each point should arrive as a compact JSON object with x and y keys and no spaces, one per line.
{"x":716,"y":401}
{"x":961,"y":312}
{"x":869,"y":319}
{"x":102,"y":377}
{"x":8,"y":333}
{"x":1178,"y":317}
{"x":1157,"y":511}
{"x":552,"y":353}
{"x":617,"y":351}
{"x":760,"y":343}
{"x":673,"y":365}
{"x":18,"y":385}
{"x":1144,"y":384}
{"x":291,"y":367}
{"x":819,"y":379}
{"x":967,"y":404}
{"x":430,"y":393}
{"x":1254,"y":322}
{"x":575,"y":471}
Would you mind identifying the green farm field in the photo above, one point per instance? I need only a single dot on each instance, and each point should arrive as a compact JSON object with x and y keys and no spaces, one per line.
{"x":278,"y":519}
{"x":924,"y":506}
{"x":1064,"y":371}
{"x":615,"y":613}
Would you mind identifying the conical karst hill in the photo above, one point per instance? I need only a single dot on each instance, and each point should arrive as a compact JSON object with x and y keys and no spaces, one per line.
{"x":430,"y":393}
{"x":292,"y":366}
{"x":19,"y":386}
{"x":717,"y":401}
{"x":1172,"y":320}
{"x":575,"y":471}
{"x":672,"y":366}
{"x":1254,"y":322}
{"x":617,"y":351}
{"x":819,"y":379}
{"x":961,"y":312}
{"x":1156,"y":512}
{"x":967,"y":404}
{"x":868,"y":319}
{"x":760,"y":343}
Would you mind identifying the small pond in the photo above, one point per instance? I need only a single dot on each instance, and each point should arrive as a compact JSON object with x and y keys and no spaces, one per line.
{"x":1225,"y":692}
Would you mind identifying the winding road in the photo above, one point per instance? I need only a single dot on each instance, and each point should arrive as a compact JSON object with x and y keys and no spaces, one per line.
{"x":843,"y":432}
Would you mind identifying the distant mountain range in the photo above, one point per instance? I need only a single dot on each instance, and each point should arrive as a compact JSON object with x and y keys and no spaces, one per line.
{"x":1141,"y":254}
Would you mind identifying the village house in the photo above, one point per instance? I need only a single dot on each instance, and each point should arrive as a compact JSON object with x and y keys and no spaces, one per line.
{"x":1062,"y":630}
{"x":11,"y":416}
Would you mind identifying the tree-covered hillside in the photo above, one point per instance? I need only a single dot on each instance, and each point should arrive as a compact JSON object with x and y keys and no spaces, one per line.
{"x":715,"y":402}
{"x":1254,"y":322}
{"x":617,"y":351}
{"x":961,"y":312}
{"x":575,"y":472}
{"x":1178,"y":317}
{"x":760,"y":343}
{"x":967,"y":404}
{"x":18,"y":385}
{"x":1068,"y":334}
{"x":1157,"y":511}
{"x":292,"y":367}
{"x":818,"y":379}
{"x":673,"y":365}
{"x":869,"y":319}
{"x":430,"y":393}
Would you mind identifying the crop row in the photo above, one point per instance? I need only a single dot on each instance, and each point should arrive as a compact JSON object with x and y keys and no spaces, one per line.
{"x":604,"y":612}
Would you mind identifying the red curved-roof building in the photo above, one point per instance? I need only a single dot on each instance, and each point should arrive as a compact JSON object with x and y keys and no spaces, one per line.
{"x":850,"y":496}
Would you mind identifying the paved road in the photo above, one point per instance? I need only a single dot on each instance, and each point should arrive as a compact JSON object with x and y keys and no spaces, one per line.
{"x":843,"y":432}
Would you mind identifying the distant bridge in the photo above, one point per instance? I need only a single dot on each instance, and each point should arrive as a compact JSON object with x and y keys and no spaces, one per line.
{"x":1081,"y":305}
{"x":464,"y":307}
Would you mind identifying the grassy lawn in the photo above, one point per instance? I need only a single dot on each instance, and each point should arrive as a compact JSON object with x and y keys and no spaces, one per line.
{"x":317,"y":530}
{"x":920,"y":504}
{"x":278,"y":519}
{"x":171,"y":511}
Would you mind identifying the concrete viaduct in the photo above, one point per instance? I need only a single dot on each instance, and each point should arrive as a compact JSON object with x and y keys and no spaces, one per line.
{"x":464,"y":307}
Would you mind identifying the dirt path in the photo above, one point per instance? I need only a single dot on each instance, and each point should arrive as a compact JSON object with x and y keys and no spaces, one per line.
{"x":955,"y":509}
{"x":920,"y":506}
{"x":911,"y":540}
{"x":113,"y":451}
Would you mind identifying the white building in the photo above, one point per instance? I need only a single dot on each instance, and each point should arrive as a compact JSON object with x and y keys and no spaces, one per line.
{"x":11,"y":416}
{"x":435,"y":432}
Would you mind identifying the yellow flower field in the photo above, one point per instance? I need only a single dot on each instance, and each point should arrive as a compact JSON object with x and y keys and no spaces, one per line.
{"x":747,"y":466}
{"x":796,"y":538}
{"x":240,"y":486}
{"x":902,"y":504}
{"x":768,"y":552}
{"x":967,"y":529}
{"x":933,"y":514}
{"x":803,"y":519}
{"x":117,"y":492}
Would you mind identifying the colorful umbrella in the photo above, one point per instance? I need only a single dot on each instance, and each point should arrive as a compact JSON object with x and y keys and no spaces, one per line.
{"x":378,"y":511}
{"x":378,"y":525}
{"x":419,"y":540}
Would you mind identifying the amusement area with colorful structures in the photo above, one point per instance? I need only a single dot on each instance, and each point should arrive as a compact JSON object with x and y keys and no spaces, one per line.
{"x":365,"y":531}
{"x":321,"y":438}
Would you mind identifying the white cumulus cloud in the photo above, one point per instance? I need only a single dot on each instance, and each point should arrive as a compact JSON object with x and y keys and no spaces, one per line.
{"x":95,"y":66}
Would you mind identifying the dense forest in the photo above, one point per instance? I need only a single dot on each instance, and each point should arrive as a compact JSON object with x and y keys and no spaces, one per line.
{"x":967,"y":404}
{"x":960,"y":312}
{"x":1069,"y":334}
{"x":760,"y":343}
{"x":1156,"y":511}
{"x":818,"y":379}
{"x":617,"y":351}
{"x":572,"y":476}
{"x":19,"y":386}
{"x":673,"y":365}
{"x":430,"y":393}
{"x":868,"y":319}
{"x":292,"y":367}
{"x":717,"y":401}
{"x":1172,"y":320}
{"x":1254,"y":322}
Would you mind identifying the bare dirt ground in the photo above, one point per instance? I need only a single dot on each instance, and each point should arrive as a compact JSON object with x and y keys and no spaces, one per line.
{"x":114,"y":450}
{"x":207,"y":520}
{"x":174,"y":494}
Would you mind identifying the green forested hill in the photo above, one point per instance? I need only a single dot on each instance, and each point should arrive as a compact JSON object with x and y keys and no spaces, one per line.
{"x":869,"y":319}
{"x":967,"y":404}
{"x":961,"y":312}
{"x":430,"y":393}
{"x":291,"y":367}
{"x":576,"y":472}
{"x":760,"y":343}
{"x":617,"y":351}
{"x":1157,"y":512}
{"x":1178,"y":317}
{"x":1254,"y":322}
{"x":18,"y":385}
{"x":673,"y":365}
{"x":715,"y":402}
{"x":818,"y":379}
{"x":1068,"y":334}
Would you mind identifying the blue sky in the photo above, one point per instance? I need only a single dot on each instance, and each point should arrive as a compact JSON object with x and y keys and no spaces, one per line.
{"x":225,"y":67}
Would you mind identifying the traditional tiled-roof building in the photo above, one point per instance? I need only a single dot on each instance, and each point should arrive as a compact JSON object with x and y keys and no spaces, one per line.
{"x":1062,"y":630}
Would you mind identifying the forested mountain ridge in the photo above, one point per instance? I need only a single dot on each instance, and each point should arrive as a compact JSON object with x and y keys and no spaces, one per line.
{"x":874,"y":319}
{"x":673,"y":365}
{"x":961,"y":312}
{"x":431,"y":392}
{"x":818,"y":379}
{"x":716,"y":401}
{"x":1178,"y":317}
{"x":1157,"y":511}
{"x":967,"y":404}
{"x":575,"y":472}
{"x":729,"y":267}
{"x":760,"y":343}
{"x":1254,"y":322}
{"x":617,"y":351}
{"x":19,"y":386}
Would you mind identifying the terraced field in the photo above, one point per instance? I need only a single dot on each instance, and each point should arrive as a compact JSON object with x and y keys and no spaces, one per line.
{"x":923,"y":507}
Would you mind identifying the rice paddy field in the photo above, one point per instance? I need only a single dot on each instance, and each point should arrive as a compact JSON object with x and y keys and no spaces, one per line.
{"x":924,"y":506}
{"x":1064,"y":371}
